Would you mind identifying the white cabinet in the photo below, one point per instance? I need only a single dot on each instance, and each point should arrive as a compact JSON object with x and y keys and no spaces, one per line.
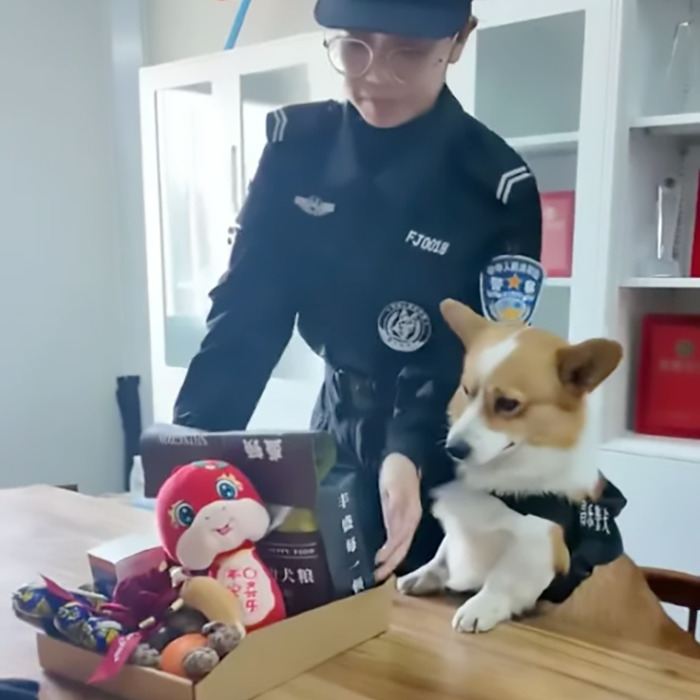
{"x":654,"y":133}
{"x":203,"y":132}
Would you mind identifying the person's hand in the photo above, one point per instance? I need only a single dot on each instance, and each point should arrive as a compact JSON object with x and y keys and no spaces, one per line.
{"x":399,"y":488}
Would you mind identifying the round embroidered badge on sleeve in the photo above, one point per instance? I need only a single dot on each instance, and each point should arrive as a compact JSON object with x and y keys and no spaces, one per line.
{"x":404,"y":327}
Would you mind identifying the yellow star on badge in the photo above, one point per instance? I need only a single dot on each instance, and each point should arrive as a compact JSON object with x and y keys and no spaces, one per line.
{"x":513,"y":282}
{"x":510,"y":315}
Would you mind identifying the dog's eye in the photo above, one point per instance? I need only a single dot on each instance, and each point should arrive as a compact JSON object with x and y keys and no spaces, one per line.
{"x":465,"y":390}
{"x":505,"y":405}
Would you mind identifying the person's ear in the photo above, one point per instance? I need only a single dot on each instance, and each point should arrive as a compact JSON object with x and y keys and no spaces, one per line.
{"x":458,"y":47}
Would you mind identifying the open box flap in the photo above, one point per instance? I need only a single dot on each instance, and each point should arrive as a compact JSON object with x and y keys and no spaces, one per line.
{"x":285,"y":467}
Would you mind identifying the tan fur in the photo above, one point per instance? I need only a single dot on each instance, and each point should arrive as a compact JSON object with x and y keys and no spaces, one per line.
{"x":549,"y":391}
{"x":549,"y":377}
{"x":592,"y":495}
{"x":560,"y":552}
{"x":617,"y":602}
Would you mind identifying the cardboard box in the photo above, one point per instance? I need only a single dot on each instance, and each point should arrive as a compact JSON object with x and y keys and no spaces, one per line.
{"x":266,"y":659}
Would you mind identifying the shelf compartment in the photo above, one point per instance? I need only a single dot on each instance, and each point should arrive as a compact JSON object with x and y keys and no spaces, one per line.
{"x":659,"y":447}
{"x":662,"y":283}
{"x":684,"y":125}
{"x":557,"y":282}
{"x":566,"y":142}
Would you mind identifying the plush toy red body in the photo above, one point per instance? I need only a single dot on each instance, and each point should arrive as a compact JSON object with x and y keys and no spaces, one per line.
{"x":210,"y":516}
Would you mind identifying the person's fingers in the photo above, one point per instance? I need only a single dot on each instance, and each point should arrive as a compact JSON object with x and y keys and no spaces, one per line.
{"x":394,"y":539}
{"x":399,"y":531}
{"x":392,"y":563}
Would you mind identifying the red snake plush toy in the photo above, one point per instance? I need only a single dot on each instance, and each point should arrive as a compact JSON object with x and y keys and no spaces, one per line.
{"x":209,"y":517}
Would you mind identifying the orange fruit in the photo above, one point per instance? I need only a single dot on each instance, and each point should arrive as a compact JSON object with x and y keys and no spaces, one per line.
{"x":172,"y":657}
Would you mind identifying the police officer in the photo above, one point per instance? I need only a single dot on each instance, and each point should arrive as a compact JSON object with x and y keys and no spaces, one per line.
{"x":362,"y":217}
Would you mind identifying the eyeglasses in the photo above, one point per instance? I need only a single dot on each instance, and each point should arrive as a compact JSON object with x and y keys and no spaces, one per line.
{"x":353,"y":57}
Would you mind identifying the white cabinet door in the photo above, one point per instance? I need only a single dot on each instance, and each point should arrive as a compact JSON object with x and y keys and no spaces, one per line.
{"x":529,"y":73}
{"x":191,"y":198}
{"x":203,"y":124}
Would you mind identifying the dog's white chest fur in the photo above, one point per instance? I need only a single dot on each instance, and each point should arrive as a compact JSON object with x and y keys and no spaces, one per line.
{"x":506,"y":557}
{"x":478,"y":529}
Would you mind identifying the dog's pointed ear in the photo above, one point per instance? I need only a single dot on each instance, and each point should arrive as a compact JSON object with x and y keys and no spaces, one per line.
{"x":582,"y":367}
{"x":465,"y":322}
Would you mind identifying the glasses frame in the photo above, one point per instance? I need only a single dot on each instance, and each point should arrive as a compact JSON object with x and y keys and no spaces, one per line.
{"x":328,"y":43}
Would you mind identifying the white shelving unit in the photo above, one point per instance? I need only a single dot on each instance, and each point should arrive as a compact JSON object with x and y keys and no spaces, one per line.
{"x":581,"y":89}
{"x":653,"y":132}
{"x":686,"y":125}
{"x":661,"y":283}
{"x":676,"y":449}
{"x":546,"y":144}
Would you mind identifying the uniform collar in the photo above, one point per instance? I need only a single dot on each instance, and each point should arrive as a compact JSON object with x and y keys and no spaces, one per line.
{"x":398,"y":180}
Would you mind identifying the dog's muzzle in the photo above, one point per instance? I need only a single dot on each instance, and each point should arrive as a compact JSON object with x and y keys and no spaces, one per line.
{"x":458,"y":450}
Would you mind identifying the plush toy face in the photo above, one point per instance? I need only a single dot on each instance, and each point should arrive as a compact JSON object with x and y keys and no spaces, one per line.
{"x":208,"y":508}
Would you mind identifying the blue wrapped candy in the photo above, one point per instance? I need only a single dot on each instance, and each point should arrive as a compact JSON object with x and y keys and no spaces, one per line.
{"x":34,"y":604}
{"x":38,"y":605}
{"x":79,"y":626}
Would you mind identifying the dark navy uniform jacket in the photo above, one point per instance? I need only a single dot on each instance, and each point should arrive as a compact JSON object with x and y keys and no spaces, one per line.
{"x":360,"y":233}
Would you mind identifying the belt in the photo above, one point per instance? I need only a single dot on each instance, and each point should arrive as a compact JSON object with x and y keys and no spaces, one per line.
{"x":360,"y":391}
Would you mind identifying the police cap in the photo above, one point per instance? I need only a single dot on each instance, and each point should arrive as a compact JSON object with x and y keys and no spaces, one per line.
{"x":425,"y":19}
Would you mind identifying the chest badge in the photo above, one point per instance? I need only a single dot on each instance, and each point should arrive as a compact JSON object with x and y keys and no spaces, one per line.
{"x":510,"y":288}
{"x":314,"y":206}
{"x":404,"y":327}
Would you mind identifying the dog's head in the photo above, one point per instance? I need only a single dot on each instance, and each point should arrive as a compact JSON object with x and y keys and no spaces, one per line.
{"x":522,"y":401}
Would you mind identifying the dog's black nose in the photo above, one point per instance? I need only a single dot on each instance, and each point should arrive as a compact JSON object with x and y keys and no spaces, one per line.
{"x":459,"y":449}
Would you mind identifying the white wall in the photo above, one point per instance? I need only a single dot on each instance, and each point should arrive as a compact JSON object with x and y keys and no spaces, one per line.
{"x":127,"y":57}
{"x":184,"y":28}
{"x":63,"y":312}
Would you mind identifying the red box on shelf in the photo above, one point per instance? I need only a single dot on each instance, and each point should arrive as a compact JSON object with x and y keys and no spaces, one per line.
{"x":695,"y":250}
{"x":557,"y":232}
{"x":668,"y":383}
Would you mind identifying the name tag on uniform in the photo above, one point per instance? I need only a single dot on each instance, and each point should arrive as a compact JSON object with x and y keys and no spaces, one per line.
{"x":510,"y":288}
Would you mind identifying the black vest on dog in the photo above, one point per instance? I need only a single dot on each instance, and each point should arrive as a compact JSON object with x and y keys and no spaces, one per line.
{"x":590,"y":533}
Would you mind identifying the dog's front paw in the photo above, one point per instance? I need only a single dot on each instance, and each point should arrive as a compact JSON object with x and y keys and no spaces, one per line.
{"x":423,"y":581}
{"x":482,"y":613}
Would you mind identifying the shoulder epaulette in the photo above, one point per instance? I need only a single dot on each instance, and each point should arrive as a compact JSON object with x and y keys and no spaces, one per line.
{"x":501,"y":167}
{"x":509,"y":179}
{"x":296,"y":121}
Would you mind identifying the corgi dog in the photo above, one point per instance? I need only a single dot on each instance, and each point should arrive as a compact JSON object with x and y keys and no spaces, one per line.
{"x":529,"y":522}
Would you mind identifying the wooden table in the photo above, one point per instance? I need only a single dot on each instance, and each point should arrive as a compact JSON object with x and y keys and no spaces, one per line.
{"x":46,"y":530}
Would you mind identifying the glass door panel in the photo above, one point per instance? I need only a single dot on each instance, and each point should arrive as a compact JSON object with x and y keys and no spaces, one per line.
{"x":190,"y":202}
{"x":529,"y":75}
{"x":195,"y":211}
{"x":667,"y":61}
